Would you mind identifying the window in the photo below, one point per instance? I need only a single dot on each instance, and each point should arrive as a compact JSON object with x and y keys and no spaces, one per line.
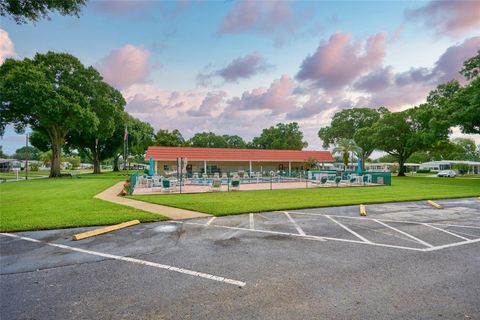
{"x":165,"y":167}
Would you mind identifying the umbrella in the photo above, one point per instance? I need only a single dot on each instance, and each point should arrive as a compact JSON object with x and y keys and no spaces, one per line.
{"x":359,"y":166}
{"x":150,"y":171}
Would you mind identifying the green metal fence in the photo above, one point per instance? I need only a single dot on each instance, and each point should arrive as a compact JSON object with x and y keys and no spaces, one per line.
{"x":133,"y":182}
{"x":377,"y":177}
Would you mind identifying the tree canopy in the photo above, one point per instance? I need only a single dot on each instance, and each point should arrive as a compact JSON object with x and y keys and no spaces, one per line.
{"x":51,"y":93}
{"x":400,"y":134}
{"x":167,"y":138}
{"x":22,"y":11}
{"x":21,"y":153}
{"x":281,"y":137}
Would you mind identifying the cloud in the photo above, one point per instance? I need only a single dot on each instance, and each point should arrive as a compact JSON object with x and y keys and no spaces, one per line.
{"x":337,"y":62}
{"x":7,"y":49}
{"x":403,"y":89}
{"x":451,"y":18}
{"x":277,"y":98}
{"x":125,"y":66}
{"x":240,"y":68}
{"x":262,"y":16}
{"x":210,"y":104}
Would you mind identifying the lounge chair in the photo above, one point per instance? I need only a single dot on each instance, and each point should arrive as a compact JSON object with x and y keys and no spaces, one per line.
{"x":367,"y":179}
{"x":216,"y":185}
{"x":235,"y":184}
{"x":320,"y":183}
{"x":168,"y":185}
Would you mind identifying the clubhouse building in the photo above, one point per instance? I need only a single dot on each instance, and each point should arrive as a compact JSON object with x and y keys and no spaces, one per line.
{"x":210,"y":160}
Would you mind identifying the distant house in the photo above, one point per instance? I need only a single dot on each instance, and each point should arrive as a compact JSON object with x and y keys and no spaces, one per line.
{"x":474,"y":166}
{"x":7,"y":165}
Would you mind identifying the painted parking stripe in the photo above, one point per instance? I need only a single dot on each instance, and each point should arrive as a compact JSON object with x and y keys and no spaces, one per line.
{"x":446,"y":231}
{"x":385,"y":220}
{"x":300,"y":231}
{"x":210,"y":221}
{"x":456,"y":244}
{"x":132,"y":260}
{"x":308,"y":237}
{"x":251,"y":222}
{"x":349,"y":230}
{"x":404,"y":233}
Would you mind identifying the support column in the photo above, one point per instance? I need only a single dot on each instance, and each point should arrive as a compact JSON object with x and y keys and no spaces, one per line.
{"x":289,"y":169}
{"x":205,"y":167}
{"x":250,"y":166}
{"x":155,"y":169}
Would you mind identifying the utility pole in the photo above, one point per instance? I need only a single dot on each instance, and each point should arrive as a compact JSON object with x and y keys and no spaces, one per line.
{"x":26,"y":157}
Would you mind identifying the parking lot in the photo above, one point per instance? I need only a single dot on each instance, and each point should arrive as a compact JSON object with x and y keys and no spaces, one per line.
{"x":403,"y":260}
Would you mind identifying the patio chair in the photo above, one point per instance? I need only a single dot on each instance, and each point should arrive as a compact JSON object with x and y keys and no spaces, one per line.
{"x":168,"y":185}
{"x":204,"y":176}
{"x":235,"y":184}
{"x":195,"y":176}
{"x":224,"y":175}
{"x":216,"y":175}
{"x":216,"y":185}
{"x":367,"y":179}
{"x":156,"y":182}
{"x":252,"y":175}
{"x":322,"y":182}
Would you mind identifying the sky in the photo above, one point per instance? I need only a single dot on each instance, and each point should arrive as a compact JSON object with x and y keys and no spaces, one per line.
{"x":236,"y":67}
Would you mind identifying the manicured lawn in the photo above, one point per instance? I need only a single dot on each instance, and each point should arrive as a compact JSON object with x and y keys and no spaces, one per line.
{"x":402,"y":189}
{"x":39,"y":173}
{"x":63,"y":203}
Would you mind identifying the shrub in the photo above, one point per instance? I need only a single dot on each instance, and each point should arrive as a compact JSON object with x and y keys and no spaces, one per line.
{"x":423,"y":171}
{"x":462,"y":168}
{"x":34,"y":166}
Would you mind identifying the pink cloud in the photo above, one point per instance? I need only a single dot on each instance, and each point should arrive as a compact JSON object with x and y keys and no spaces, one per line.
{"x":210,"y":104}
{"x":7,"y":49}
{"x":125,"y":66}
{"x":449,"y":17}
{"x":240,"y":68}
{"x":263,"y":16}
{"x":277,"y":98}
{"x":337,"y":62}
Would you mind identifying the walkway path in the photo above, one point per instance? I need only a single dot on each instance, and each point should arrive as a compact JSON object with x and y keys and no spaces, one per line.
{"x":111,"y":195}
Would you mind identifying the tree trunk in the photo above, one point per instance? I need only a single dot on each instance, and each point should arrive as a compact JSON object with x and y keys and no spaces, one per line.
{"x":401,"y":170}
{"x":96,"y":159}
{"x":115,"y":163}
{"x":56,"y":156}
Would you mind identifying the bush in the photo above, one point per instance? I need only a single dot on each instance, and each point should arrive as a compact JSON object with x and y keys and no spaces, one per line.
{"x":34,"y":166}
{"x":423,"y":171}
{"x":462,"y":168}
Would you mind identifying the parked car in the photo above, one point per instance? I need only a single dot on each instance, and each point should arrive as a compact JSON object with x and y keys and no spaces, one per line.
{"x":447,"y":174}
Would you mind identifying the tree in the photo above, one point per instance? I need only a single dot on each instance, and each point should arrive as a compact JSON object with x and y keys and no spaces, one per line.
{"x":2,"y":155}
{"x":344,"y":147}
{"x":141,"y":136}
{"x":235,"y":142}
{"x":311,"y":163}
{"x":24,"y":10}
{"x":97,"y":145}
{"x":207,"y":140}
{"x":166,"y":138}
{"x":51,"y":94}
{"x":353,"y":124}
{"x":21,"y":153}
{"x":281,"y":137}
{"x":400,"y":134}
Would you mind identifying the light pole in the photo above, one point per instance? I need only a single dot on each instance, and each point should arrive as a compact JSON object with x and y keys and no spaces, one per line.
{"x":26,"y":157}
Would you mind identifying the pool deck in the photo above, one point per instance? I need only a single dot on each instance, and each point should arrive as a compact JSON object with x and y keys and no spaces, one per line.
{"x":191,"y":188}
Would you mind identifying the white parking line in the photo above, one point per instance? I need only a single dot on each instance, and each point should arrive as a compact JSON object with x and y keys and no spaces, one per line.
{"x":251,"y":223}
{"x":446,"y":231}
{"x":133,"y":260}
{"x":300,"y":231}
{"x":384,"y":220}
{"x":452,"y":245}
{"x":210,"y":221}
{"x":349,"y":230}
{"x":404,"y":233}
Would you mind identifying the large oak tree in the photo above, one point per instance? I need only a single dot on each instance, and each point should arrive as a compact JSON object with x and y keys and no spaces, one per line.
{"x":51,"y":93}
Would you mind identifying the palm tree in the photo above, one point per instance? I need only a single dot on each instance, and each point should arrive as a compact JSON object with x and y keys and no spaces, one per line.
{"x":344,"y":148}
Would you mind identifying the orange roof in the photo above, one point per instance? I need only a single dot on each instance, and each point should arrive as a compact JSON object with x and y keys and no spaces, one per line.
{"x":222,"y":154}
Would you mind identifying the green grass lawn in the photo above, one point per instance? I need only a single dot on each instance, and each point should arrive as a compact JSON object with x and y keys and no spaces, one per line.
{"x":402,"y":189}
{"x":39,"y":173}
{"x":63,"y":203}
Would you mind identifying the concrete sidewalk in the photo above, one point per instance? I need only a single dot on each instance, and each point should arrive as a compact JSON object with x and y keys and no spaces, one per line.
{"x":111,"y":195}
